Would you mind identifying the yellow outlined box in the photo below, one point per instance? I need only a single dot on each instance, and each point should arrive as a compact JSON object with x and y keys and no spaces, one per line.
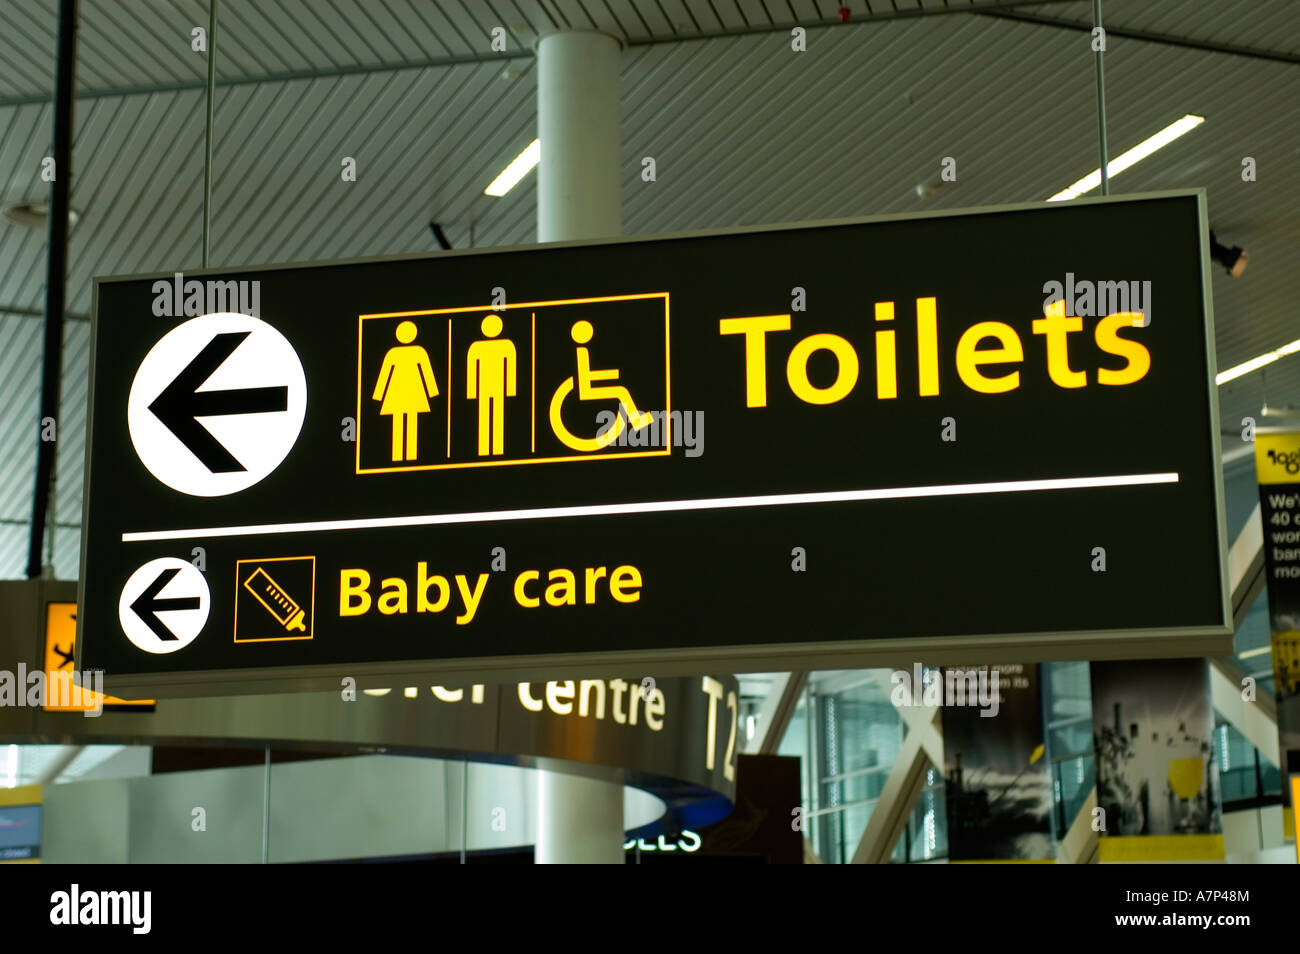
{"x":284,"y":609}
{"x":482,"y":309}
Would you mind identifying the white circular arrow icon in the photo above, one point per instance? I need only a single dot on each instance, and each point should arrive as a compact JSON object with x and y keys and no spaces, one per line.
{"x":217,"y":404}
{"x":164,"y":605}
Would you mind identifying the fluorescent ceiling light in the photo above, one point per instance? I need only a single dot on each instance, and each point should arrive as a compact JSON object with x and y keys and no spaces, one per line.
{"x":1134,"y":155}
{"x":520,"y":167}
{"x":35,"y":215}
{"x":1223,"y":377}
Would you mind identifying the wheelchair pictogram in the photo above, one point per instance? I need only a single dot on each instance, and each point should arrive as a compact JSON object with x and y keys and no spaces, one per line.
{"x":589,"y":390}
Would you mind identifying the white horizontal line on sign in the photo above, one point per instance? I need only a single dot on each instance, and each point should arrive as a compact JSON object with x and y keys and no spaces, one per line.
{"x":661,"y":506}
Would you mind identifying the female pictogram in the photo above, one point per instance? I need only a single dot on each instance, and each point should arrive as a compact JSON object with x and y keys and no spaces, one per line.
{"x":405,"y":385}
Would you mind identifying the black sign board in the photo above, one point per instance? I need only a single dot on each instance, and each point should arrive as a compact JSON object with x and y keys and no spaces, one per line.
{"x":959,"y":437}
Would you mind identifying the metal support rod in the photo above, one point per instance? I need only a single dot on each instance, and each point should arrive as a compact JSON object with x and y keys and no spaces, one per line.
{"x":1019,"y":15}
{"x":776,"y":713}
{"x":266,"y":809}
{"x":38,"y":313}
{"x":464,"y":808}
{"x":51,"y":507}
{"x":1101,"y":97}
{"x":207,"y":133}
{"x":56,"y":262}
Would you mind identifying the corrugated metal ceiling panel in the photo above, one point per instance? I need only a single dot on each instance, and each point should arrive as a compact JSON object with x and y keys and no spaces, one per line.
{"x":27,"y":47}
{"x":20,"y":382}
{"x":13,"y":550}
{"x":1260,"y":24}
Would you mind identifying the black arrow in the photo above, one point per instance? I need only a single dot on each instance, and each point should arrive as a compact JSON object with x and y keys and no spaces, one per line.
{"x":181,"y":402}
{"x":147,"y":605}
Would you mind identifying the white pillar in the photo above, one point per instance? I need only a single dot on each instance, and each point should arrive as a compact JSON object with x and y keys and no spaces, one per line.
{"x":577,"y":122}
{"x":579,"y":820}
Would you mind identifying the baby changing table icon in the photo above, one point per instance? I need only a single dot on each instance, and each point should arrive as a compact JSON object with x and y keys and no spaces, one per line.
{"x":274,"y":599}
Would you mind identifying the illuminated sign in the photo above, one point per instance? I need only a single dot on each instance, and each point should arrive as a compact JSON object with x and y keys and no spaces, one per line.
{"x":688,"y":842}
{"x":701,"y":721}
{"x":60,"y":652}
{"x":1277,"y":466}
{"x":850,"y":444}
{"x":20,"y":824}
{"x":1295,"y":800}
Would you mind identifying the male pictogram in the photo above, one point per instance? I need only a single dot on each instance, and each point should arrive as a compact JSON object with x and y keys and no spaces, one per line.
{"x":405,"y":385}
{"x":490,"y":379}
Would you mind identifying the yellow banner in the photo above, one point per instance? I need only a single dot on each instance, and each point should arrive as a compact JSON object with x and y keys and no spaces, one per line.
{"x":1288,"y":815}
{"x":1160,"y":848}
{"x":22,"y":795}
{"x":1008,"y":861}
{"x":1286,"y":661}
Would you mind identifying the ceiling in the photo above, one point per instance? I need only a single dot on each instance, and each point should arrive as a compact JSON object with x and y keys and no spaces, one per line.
{"x":51,"y":764}
{"x":743,"y":131}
